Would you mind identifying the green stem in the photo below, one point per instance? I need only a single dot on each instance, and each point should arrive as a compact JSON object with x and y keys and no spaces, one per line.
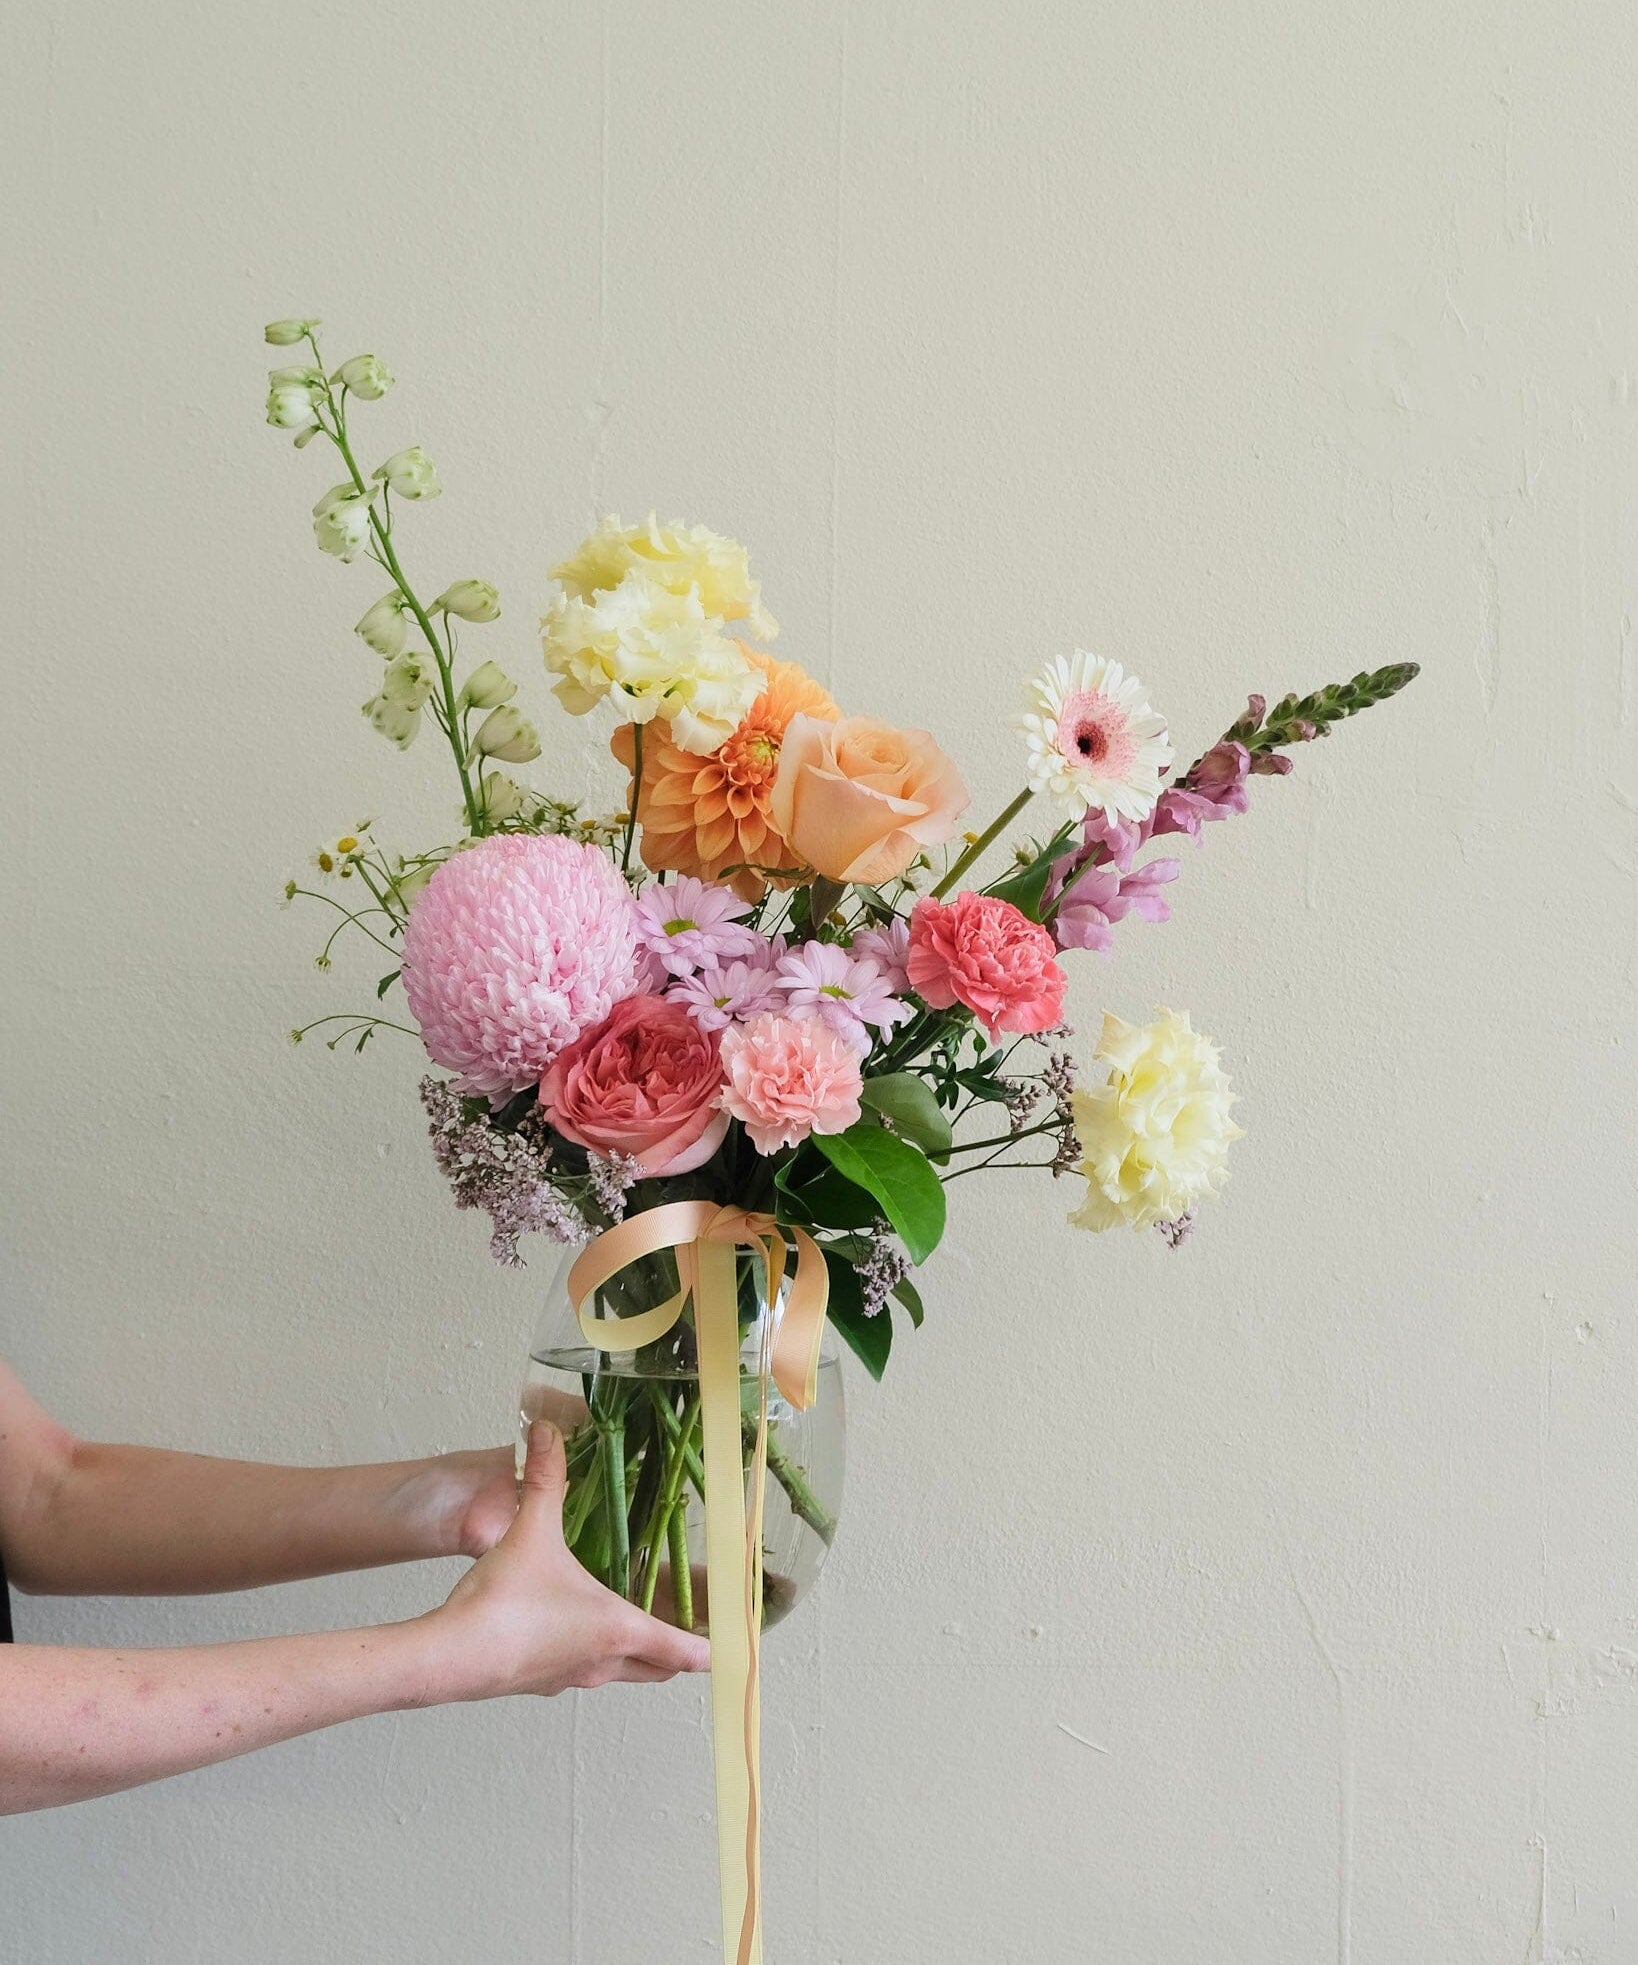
{"x":389,"y":559}
{"x":805,"y":1504}
{"x":611,"y":1453}
{"x":985,"y":839}
{"x":682,"y":1575}
{"x":636,"y":787}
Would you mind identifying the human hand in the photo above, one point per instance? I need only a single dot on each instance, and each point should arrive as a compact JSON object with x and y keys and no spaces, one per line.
{"x":528,"y":1618}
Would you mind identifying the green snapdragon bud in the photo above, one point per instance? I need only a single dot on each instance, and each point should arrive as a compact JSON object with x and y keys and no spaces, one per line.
{"x":486,"y":688}
{"x":472,"y":600}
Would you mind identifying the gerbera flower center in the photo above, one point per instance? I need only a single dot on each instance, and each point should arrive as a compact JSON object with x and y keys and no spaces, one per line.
{"x":835,"y":989}
{"x":1093,"y":733}
{"x":680,"y":926}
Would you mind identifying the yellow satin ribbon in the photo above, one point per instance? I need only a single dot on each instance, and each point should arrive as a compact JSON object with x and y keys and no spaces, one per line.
{"x":704,"y":1238}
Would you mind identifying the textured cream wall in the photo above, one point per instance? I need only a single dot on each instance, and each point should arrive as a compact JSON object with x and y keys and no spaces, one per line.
{"x":1255,"y":344}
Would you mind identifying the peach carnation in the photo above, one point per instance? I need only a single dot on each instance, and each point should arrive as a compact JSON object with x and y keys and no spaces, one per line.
{"x":788,"y":1077}
{"x":703,"y":815}
{"x":982,"y":951}
{"x":512,"y":950}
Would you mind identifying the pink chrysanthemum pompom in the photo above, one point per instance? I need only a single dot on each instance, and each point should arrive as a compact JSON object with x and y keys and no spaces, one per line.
{"x":514,"y":948}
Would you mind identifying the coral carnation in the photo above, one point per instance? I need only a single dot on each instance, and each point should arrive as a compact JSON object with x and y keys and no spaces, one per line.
{"x":788,"y":1077}
{"x":514,"y":948}
{"x":705,"y":815}
{"x":981,"y":951}
{"x":642,"y":1084}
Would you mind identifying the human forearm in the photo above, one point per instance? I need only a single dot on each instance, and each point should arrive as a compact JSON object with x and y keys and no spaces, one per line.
{"x":123,"y":1520}
{"x":75,"y":1723}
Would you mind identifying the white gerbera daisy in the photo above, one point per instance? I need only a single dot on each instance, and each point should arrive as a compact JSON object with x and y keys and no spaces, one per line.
{"x":1094,"y":741}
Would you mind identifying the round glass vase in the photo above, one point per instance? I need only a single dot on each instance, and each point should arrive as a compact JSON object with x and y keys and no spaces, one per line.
{"x":634,"y":1513}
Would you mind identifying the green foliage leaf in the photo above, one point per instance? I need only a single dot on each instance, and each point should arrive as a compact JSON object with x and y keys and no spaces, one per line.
{"x":869,"y":1338}
{"x":815,"y":1195}
{"x":897,"y":1174}
{"x":1026,"y":889}
{"x":385,"y":984}
{"x":910,"y":1297}
{"x":907,"y":1102}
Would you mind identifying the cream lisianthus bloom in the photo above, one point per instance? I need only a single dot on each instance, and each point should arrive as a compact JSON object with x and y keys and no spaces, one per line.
{"x":655,"y":653}
{"x":677,"y":557}
{"x":1156,"y":1134}
{"x":1093,"y":741}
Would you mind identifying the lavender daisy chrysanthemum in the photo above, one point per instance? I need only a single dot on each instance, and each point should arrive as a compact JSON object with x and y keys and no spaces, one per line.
{"x":847,"y":991}
{"x":732,"y":992}
{"x":689,"y":924}
{"x":889,"y":948}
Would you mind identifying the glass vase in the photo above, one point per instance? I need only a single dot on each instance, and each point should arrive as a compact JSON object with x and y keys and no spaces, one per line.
{"x":634,"y":1513}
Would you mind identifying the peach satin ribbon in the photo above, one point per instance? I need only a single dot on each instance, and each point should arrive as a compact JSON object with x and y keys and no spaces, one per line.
{"x":704,"y":1238}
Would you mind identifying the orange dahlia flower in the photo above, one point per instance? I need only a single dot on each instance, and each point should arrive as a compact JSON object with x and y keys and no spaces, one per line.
{"x":703,"y":815}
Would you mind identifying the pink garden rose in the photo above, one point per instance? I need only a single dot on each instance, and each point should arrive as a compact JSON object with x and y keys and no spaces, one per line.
{"x":644,"y":1083}
{"x":981,"y":951}
{"x":788,"y":1077}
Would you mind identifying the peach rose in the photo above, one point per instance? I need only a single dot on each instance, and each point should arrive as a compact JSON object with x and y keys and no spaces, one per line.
{"x":643,"y":1082}
{"x":859,"y":799}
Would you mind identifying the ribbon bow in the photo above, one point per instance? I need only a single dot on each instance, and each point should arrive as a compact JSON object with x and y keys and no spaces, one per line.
{"x":704,"y":1238}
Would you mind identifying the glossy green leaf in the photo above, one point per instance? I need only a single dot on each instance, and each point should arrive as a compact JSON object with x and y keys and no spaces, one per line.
{"x":907,"y":1103}
{"x":897,"y":1174}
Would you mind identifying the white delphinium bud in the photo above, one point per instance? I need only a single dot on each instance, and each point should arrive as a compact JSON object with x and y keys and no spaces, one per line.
{"x":341,"y":521}
{"x":291,"y":393}
{"x":364,"y":375}
{"x":486,"y":688}
{"x":305,"y":437}
{"x":472,"y":600}
{"x":408,"y":681}
{"x":285,"y":334}
{"x":507,"y":734}
{"x":398,"y":725}
{"x":501,"y":797}
{"x":384,"y":628}
{"x":410,"y":882}
{"x":410,"y":474}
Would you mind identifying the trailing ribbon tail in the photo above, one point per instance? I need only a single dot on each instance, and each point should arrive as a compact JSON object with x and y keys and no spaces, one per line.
{"x":705,"y":1238}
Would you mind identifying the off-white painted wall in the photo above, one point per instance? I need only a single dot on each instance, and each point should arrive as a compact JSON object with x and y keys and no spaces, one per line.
{"x":1288,"y":1611}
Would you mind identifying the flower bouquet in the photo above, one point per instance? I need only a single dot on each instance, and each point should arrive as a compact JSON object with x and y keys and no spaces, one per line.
{"x":733,"y":1042}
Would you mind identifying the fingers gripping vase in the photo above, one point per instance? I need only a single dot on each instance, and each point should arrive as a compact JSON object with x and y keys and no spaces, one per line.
{"x":634,"y":1513}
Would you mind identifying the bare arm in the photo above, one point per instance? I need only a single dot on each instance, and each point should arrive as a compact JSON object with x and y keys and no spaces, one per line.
{"x":526,"y":1618}
{"x":82,"y":1518}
